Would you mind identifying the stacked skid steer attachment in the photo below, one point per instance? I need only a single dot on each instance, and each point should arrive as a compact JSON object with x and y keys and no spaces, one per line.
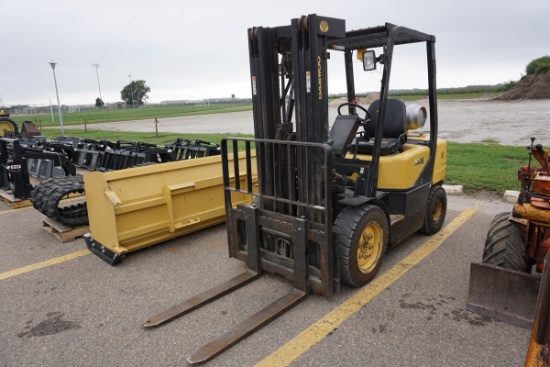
{"x":48,"y":196}
{"x":14,"y":174}
{"x":138,"y":207}
{"x":15,"y":160}
{"x":187,"y":149}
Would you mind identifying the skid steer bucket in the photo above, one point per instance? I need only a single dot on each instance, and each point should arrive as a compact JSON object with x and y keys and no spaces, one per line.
{"x":138,"y":207}
{"x":503,"y":294}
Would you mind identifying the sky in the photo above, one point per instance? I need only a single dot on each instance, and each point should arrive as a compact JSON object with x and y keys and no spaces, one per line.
{"x":196,"y":50}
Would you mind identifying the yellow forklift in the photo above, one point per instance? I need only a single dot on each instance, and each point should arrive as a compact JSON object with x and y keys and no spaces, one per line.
{"x":329,"y":200}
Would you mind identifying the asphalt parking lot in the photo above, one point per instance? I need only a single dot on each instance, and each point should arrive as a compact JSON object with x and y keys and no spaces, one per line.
{"x":62,"y":306}
{"x":79,"y":311}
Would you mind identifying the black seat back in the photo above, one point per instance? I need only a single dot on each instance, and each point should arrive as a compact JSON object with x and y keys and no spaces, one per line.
{"x":393,"y":134}
{"x":395,"y":124}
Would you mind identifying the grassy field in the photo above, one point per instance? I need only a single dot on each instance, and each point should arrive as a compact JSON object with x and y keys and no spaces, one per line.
{"x":141,"y":113}
{"x":485,"y":167}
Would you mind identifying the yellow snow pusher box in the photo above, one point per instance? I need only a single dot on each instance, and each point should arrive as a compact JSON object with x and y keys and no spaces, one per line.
{"x":138,"y":207}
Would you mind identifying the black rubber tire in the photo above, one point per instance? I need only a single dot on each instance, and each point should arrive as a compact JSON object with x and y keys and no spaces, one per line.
{"x":505,"y":245}
{"x":436,"y":210}
{"x":351,"y":224}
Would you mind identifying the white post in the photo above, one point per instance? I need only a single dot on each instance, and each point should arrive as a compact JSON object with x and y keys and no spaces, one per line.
{"x":51,"y":111}
{"x":97,"y":74}
{"x":52,"y":64}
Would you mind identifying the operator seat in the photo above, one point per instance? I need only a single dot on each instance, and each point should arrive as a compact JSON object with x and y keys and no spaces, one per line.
{"x":394,"y":134}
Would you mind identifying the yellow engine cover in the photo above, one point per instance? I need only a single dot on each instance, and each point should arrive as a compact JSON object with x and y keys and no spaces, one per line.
{"x":400,"y":171}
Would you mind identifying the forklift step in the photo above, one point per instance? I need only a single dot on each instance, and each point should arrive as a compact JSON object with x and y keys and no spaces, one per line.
{"x":396,"y":218}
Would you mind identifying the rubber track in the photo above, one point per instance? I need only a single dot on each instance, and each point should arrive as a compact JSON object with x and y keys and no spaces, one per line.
{"x":46,"y":198}
{"x":505,"y":245}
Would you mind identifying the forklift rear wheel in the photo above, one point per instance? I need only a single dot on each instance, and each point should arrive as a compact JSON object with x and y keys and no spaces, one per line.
{"x":363,"y":241}
{"x":505,"y":245}
{"x":436,"y":208}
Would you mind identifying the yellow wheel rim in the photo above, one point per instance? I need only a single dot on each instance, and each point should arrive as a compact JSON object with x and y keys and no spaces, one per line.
{"x":438,"y":210}
{"x":369,"y":247}
{"x":4,"y":127}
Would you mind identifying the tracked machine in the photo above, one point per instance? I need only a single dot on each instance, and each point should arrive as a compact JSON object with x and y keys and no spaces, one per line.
{"x":329,"y":201}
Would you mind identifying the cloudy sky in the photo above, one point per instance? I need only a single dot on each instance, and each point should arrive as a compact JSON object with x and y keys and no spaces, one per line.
{"x":195,"y":50}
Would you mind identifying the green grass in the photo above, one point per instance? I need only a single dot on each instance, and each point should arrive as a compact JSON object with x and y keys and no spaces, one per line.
{"x":141,"y":113}
{"x":485,"y":167}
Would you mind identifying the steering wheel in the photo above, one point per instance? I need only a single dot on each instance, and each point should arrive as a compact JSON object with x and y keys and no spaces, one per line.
{"x":367,"y":114}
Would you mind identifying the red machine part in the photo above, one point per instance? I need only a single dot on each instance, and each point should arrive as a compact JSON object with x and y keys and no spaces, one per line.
{"x":532,"y":213}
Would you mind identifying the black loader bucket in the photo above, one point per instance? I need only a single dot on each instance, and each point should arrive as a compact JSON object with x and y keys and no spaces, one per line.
{"x":503,"y":294}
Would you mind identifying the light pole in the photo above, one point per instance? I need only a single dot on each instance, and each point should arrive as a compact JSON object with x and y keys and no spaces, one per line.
{"x":97,"y":75}
{"x":131,"y":89}
{"x":52,"y":64}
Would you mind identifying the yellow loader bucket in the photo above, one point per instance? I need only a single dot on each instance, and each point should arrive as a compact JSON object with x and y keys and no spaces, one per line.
{"x":138,"y":207}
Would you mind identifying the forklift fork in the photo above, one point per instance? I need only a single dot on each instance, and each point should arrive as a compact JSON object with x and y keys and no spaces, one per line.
{"x":259,"y":319}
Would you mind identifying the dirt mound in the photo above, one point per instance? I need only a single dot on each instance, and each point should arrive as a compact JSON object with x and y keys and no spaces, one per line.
{"x":338,"y":101}
{"x":529,"y":87}
{"x":363,"y":101}
{"x":369,"y":99}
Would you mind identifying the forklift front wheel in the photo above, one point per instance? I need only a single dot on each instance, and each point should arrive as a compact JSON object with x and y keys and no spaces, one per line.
{"x":363,"y":242}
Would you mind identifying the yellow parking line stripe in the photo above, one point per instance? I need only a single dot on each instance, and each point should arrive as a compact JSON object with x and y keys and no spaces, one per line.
{"x":43,"y":264}
{"x":15,"y":210}
{"x":294,"y":348}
